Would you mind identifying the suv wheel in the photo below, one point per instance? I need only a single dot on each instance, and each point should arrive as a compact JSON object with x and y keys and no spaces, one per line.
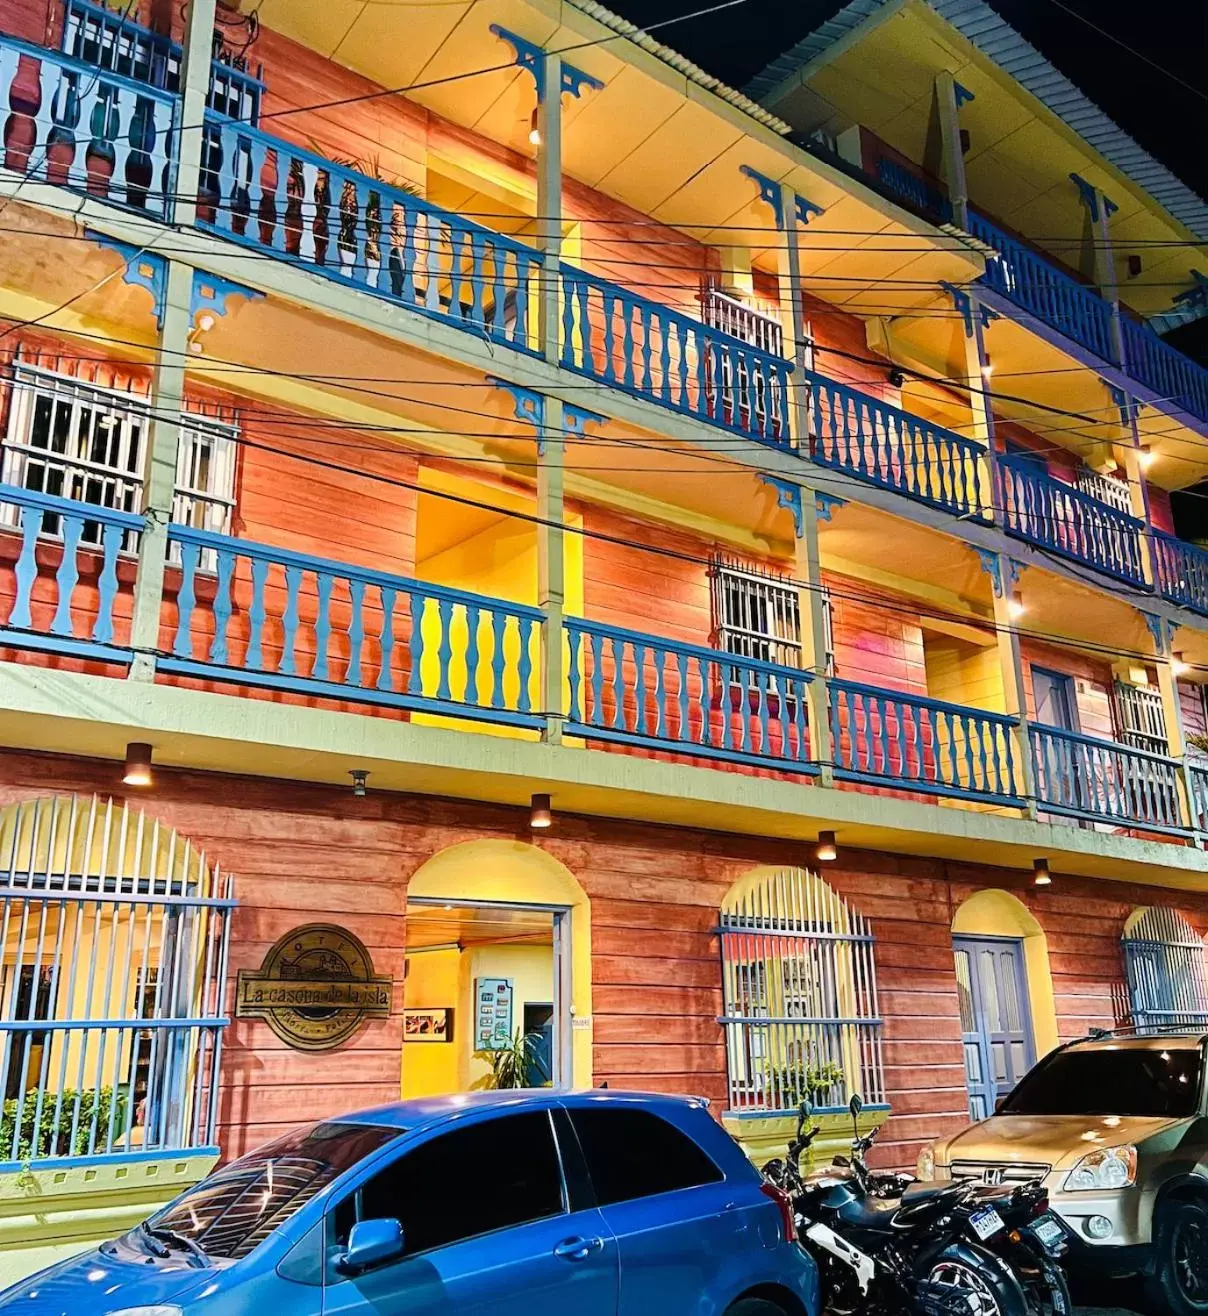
{"x":1180,"y":1283}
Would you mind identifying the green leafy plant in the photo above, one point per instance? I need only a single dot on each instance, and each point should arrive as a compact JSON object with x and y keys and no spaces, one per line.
{"x":800,"y":1081}
{"x":1198,"y":742}
{"x":54,"y":1136}
{"x":510,"y":1066}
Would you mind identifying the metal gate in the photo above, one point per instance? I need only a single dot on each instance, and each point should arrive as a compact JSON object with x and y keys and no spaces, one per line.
{"x":114,"y":936}
{"x":800,"y":997}
{"x":1167,"y":971}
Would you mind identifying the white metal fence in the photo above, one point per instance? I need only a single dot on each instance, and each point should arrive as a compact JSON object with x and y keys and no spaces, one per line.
{"x":800,"y":997}
{"x":114,"y":933}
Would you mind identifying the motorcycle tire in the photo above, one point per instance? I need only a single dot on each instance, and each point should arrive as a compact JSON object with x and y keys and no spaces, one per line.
{"x":987,"y":1278}
{"x":1047,"y":1290}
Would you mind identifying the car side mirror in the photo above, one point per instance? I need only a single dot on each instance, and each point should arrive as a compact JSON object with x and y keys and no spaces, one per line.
{"x":371,"y":1243}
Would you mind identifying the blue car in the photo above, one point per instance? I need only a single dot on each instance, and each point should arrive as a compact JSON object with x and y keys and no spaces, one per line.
{"x":495,"y":1203}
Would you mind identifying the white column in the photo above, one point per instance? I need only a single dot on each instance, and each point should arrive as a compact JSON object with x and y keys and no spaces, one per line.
{"x":549,"y":204}
{"x":1010,"y":660}
{"x":950,"y":138}
{"x":812,"y":607}
{"x":194,"y":90}
{"x":1172,"y":712}
{"x":1103,"y":262}
{"x":792,"y":315}
{"x":1129,"y":456}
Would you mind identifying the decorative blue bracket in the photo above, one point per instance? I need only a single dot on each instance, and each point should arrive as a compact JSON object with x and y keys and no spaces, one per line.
{"x":1090,"y":195}
{"x":1003,"y":571}
{"x":1128,"y":407}
{"x":969,"y":306}
{"x":211,"y":292}
{"x":144,"y":269}
{"x":788,"y":496}
{"x":529,"y":408}
{"x":574,"y":418}
{"x":962,"y":95}
{"x":770,"y":192}
{"x":1162,"y":631}
{"x":532,"y":58}
{"x":827,"y":504}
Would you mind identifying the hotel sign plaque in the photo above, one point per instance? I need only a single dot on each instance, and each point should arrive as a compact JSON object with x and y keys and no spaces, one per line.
{"x":315,"y":988}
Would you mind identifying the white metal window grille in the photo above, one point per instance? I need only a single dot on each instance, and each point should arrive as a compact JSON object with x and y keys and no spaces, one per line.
{"x":1109,"y":489}
{"x":1140,"y":716}
{"x":800,"y":997}
{"x":114,"y":935}
{"x":1167,"y":970}
{"x":758,"y":615}
{"x":76,"y":439}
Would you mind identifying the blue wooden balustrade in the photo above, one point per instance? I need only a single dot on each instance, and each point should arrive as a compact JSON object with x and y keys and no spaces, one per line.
{"x":344,"y":225}
{"x":1182,"y":572}
{"x":913,"y":743}
{"x":1065,"y":520}
{"x":63,"y":557}
{"x":877,"y":442}
{"x":1168,"y":372}
{"x":925,"y":196}
{"x":1083,"y":777}
{"x":632,"y":688}
{"x":72,"y":124}
{"x":654,"y":352}
{"x":1039,"y":287}
{"x":269,"y":617}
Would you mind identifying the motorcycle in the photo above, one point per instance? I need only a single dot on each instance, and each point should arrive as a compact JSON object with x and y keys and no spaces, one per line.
{"x":886,"y":1245}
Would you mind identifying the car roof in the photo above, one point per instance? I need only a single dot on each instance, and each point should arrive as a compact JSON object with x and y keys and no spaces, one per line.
{"x":421,"y":1112}
{"x":1172,"y":1041}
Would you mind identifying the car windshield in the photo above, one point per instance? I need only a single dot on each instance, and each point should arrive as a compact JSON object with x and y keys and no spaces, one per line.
{"x":237,"y":1207}
{"x":1134,"y":1081}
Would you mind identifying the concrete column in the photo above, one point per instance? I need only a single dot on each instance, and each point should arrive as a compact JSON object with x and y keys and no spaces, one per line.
{"x":792,"y":315}
{"x":953,"y":158}
{"x":549,"y":204}
{"x":1010,"y":659}
{"x":194,"y":90}
{"x":551,"y":569}
{"x":812,"y":607}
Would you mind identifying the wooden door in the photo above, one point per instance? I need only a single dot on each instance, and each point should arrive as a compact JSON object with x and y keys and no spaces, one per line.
{"x":996,"y":1026}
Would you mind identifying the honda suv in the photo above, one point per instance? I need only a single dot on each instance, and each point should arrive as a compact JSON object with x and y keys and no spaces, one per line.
{"x":1117,"y":1128}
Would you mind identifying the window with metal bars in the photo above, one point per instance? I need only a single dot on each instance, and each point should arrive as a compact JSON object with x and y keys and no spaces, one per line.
{"x":800,"y":997}
{"x":75,"y":439}
{"x":758,"y":615}
{"x":1140,"y":717}
{"x":1167,"y":970}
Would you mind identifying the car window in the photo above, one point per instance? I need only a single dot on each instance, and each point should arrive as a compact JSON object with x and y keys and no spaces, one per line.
{"x":634,"y":1153}
{"x":1129,"y":1081}
{"x":231,"y":1211}
{"x":493,"y":1174}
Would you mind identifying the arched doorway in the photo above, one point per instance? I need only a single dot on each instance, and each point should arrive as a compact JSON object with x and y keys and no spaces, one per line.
{"x":498,"y":949}
{"x":1005,"y":992}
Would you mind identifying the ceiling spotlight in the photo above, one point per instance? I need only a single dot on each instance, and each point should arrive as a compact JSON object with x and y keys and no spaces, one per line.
{"x":534,"y":130}
{"x":359,"y":778}
{"x":987,"y":367}
{"x":827,"y":851}
{"x":1015,"y":608}
{"x":1040,"y":873}
{"x":1178,"y":666}
{"x":205,"y":321}
{"x":896,"y":377}
{"x":1146,"y":457}
{"x":138,"y":764}
{"x":541,"y":816}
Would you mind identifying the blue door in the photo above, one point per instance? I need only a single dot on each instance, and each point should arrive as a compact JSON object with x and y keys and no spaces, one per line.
{"x":486,"y":1229}
{"x":996,"y":1026}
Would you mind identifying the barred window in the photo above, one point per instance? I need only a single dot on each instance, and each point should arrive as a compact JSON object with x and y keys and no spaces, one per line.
{"x":800,"y":997}
{"x":758,"y":615}
{"x":1140,"y":716}
{"x":1167,"y":970}
{"x":75,"y":439}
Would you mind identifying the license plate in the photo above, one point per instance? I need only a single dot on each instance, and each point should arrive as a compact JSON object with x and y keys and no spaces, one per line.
{"x":986,"y":1222}
{"x":1049,"y":1231}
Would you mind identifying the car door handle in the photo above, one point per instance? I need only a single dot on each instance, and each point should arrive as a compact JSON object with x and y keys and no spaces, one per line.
{"x":578,"y":1249}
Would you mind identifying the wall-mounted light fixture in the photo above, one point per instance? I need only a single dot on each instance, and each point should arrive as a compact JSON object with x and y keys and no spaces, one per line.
{"x":827,"y":851}
{"x":138,"y":764}
{"x":1015,"y":606}
{"x":896,"y":377}
{"x":1179,"y":667}
{"x":1040,"y":873}
{"x":1146,"y":457}
{"x":359,"y":778}
{"x":534,"y":130}
{"x":541,"y":816}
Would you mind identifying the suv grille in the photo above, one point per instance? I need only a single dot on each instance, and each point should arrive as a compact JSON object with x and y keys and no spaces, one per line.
{"x":997,"y":1172}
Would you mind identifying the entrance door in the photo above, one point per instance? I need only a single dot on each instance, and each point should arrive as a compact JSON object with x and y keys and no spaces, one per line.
{"x":1056,"y":702}
{"x":996,"y":1025}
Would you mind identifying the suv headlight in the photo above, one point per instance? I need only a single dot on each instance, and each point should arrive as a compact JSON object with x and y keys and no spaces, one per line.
{"x":1113,"y":1167}
{"x":926,"y":1166}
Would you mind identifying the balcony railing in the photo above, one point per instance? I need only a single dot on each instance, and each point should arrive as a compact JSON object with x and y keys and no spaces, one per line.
{"x":1168,"y":372}
{"x":1103,"y":781}
{"x":1182,"y":571}
{"x":77,"y":126}
{"x":645,"y":348}
{"x":1033,"y":283}
{"x":877,"y":442}
{"x":632,"y":688}
{"x":925,"y":196}
{"x":1197,"y":781}
{"x":60,"y":568}
{"x":914,"y":743}
{"x":1063,"y":519}
{"x":269,"y":617}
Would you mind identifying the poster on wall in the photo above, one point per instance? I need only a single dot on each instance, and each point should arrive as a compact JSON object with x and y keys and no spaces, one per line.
{"x":492,"y":1014}
{"x":432,"y":1025}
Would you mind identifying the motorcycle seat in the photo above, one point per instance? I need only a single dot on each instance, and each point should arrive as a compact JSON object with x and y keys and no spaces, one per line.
{"x":877,"y":1214}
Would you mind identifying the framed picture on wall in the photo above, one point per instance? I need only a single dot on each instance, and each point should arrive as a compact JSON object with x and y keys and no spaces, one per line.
{"x":431,"y":1025}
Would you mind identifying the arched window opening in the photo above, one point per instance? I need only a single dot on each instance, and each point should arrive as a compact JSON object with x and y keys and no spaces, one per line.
{"x":800,"y":997}
{"x":1167,"y":971}
{"x":113,"y":965}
